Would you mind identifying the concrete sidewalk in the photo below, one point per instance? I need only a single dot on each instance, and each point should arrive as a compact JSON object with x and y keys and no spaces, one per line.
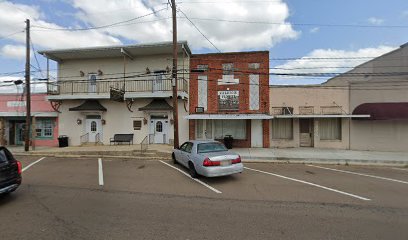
{"x":327,"y":156}
{"x":277,"y":155}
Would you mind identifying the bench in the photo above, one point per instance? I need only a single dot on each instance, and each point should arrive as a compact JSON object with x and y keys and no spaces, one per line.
{"x":121,"y":138}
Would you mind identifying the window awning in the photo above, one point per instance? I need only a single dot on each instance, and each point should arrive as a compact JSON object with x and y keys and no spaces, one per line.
{"x":324,"y":116}
{"x":89,"y":105}
{"x":229,"y":116}
{"x":157,"y":104}
{"x":384,"y":111}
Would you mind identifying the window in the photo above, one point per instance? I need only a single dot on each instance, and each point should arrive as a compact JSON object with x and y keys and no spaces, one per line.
{"x":189,"y":147}
{"x":211,"y":147}
{"x":199,"y":128}
{"x":282,"y":129}
{"x":202,"y":67}
{"x":228,"y":69}
{"x":159,"y":126}
{"x":253,"y":65}
{"x":330,"y":129}
{"x":235,"y":128}
{"x":93,"y":126}
{"x":44,"y":128}
{"x":137,"y":125}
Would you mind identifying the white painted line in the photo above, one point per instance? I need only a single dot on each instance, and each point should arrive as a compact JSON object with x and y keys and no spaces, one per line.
{"x":31,"y":164}
{"x":311,"y":184}
{"x":100,"y":170}
{"x":402,"y":169}
{"x":200,"y":182}
{"x":360,"y":174}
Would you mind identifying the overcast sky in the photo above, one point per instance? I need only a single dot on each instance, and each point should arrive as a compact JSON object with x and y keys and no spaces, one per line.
{"x":289,"y":29}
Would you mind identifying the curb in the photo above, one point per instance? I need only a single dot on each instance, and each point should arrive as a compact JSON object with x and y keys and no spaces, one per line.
{"x":94,"y":156}
{"x":326,"y":161}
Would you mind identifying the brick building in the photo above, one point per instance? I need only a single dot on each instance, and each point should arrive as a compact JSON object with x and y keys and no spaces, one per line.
{"x":229,"y":95}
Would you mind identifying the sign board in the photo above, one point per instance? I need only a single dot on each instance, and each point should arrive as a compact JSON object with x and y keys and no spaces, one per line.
{"x":117,"y":95}
{"x":228,"y":100}
{"x":16,"y":103}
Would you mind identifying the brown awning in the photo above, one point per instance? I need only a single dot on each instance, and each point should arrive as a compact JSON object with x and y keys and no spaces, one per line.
{"x":89,"y":105}
{"x":157,"y":104}
{"x":383,"y":111}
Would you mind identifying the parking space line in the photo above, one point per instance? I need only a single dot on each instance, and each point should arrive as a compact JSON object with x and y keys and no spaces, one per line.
{"x":31,"y":164}
{"x":310,"y":183}
{"x":186,"y":174}
{"x":100,"y":171}
{"x":360,"y":174}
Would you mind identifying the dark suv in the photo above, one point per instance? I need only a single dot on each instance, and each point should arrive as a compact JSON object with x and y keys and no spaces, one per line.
{"x":10,"y":172}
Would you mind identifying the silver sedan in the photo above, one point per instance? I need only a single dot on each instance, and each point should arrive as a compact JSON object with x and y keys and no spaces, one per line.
{"x":207,"y":158}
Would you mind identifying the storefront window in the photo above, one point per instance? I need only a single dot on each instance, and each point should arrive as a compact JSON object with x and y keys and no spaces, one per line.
{"x":282,"y":129}
{"x":330,"y":129}
{"x":44,"y":128}
{"x":235,"y":128}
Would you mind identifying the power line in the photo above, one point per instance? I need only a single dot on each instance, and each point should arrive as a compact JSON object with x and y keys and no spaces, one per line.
{"x":36,"y":59}
{"x":302,"y":24}
{"x":103,"y":26}
{"x":12,"y":34}
{"x":199,"y":30}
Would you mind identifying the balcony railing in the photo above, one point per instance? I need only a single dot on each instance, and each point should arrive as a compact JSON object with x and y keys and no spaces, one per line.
{"x":72,"y":87}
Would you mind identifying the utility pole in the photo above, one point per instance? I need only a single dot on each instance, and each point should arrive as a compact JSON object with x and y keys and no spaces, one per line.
{"x":28,"y":93}
{"x":174,"y":75}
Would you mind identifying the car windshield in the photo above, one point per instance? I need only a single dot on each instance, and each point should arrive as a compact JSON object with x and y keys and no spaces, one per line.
{"x":210,"y":147}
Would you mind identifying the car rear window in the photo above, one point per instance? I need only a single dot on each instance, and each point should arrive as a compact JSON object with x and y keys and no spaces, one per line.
{"x":210,"y":147}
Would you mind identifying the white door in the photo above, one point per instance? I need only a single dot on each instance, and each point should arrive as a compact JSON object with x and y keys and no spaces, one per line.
{"x":158,"y":83}
{"x":158,"y":129}
{"x":93,"y":127}
{"x":92,"y":83}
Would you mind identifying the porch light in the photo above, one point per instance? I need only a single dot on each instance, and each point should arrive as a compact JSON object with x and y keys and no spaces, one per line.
{"x":103,"y":121}
{"x":147,"y":70}
{"x":79,"y":121}
{"x":81,"y":73}
{"x":144,"y":121}
{"x":100,"y":73}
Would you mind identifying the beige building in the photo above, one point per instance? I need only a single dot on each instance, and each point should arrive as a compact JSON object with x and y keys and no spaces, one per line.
{"x":363,"y":109}
{"x":379,"y":88}
{"x":104,"y":91}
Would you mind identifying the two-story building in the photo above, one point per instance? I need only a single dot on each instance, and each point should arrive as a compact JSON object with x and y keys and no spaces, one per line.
{"x":102,"y":91}
{"x":229,"y":95}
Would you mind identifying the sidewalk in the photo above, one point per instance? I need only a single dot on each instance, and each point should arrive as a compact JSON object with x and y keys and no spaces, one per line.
{"x":327,"y":156}
{"x":276,"y":155}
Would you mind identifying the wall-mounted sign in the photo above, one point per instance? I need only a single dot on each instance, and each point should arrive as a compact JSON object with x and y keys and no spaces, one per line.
{"x":228,"y":100}
{"x":16,"y":103}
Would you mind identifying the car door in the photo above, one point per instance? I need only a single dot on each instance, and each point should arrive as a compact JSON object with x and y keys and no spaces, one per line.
{"x":178,"y":153}
{"x":187,"y":153}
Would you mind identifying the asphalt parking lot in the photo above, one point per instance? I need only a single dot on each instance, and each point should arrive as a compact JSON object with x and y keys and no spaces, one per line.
{"x":91,"y":198}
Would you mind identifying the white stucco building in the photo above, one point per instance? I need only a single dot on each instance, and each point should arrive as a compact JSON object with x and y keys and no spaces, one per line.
{"x":102,"y":91}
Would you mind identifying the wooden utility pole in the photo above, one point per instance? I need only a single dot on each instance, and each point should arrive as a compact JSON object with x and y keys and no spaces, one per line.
{"x":174,"y":75}
{"x":27,"y":88}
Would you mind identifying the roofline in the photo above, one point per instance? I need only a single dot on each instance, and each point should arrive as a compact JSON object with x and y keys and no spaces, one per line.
{"x":297,"y":86}
{"x":229,"y":53}
{"x":118,"y":47}
{"x":385,"y":54}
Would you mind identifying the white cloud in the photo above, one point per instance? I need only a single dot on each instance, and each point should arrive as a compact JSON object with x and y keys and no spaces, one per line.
{"x":339,"y":61}
{"x":7,"y":85}
{"x":13,"y":51}
{"x":12,"y":17}
{"x":314,"y":30}
{"x":226,"y":36}
{"x":375,"y":21}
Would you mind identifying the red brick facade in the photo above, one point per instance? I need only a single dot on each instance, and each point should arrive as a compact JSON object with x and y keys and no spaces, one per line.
{"x":241,"y":67}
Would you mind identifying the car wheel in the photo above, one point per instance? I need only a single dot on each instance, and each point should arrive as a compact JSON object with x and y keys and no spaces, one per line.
{"x":193,"y":172}
{"x":173,"y":157}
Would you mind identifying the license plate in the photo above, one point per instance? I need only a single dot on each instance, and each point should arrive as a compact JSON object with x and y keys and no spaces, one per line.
{"x":226,"y":163}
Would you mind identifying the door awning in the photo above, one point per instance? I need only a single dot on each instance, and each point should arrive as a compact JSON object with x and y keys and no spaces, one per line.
{"x":384,"y":111}
{"x":228,"y":116}
{"x":157,"y":104}
{"x":89,"y":105}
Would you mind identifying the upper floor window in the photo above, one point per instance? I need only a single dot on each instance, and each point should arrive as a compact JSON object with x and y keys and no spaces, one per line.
{"x":202,"y":67}
{"x":253,"y":66}
{"x":228,"y":69}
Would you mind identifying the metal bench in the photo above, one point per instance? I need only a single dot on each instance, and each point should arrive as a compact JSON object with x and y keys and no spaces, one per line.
{"x":121,"y":138}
